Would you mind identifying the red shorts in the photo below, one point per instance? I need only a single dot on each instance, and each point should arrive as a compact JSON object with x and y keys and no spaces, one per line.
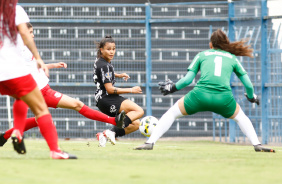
{"x":18,"y":87}
{"x":51,"y":96}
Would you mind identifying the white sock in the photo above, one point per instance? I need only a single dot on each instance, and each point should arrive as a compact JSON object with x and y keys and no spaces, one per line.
{"x":165,"y":123}
{"x":246,"y":126}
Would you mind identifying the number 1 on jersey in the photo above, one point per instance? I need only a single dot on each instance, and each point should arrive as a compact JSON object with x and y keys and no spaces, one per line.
{"x":218,"y":66}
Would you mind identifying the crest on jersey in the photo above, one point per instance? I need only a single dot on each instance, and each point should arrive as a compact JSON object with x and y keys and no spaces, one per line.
{"x":108,"y":75}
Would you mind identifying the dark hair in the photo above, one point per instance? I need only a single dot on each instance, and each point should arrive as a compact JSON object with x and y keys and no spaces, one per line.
{"x":102,"y":43}
{"x":219,"y":40}
{"x":29,"y":25}
{"x":7,"y":25}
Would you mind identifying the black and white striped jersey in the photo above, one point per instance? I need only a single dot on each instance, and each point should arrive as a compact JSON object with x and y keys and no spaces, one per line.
{"x":103,"y":73}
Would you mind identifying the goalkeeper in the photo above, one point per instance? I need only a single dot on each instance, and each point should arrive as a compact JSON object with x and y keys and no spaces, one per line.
{"x":213,"y":91}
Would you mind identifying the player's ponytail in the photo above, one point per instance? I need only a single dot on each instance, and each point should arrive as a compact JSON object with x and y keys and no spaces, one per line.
{"x":7,"y":24}
{"x":219,"y":40}
{"x":102,"y":43}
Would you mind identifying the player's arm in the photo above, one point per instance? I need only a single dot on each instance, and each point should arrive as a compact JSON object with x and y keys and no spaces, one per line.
{"x":244,"y":78}
{"x":29,"y":42}
{"x":114,"y":90}
{"x":122,"y":75}
{"x":248,"y":85}
{"x":249,"y":89}
{"x":185,"y":81}
{"x":57,"y":65}
{"x":168,"y":86}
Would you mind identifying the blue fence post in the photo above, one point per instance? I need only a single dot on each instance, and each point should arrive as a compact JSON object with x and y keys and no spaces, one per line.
{"x":148,"y":61}
{"x":231,"y":36}
{"x":264,"y":72}
{"x":213,"y":114}
{"x":213,"y":127}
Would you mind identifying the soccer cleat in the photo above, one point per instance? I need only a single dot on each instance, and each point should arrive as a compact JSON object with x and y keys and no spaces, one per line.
{"x":146,"y":146}
{"x":2,"y":139}
{"x":120,"y":119}
{"x":110,"y":135}
{"x":61,"y":155}
{"x":260,"y":148}
{"x":102,"y":139}
{"x":18,"y":142}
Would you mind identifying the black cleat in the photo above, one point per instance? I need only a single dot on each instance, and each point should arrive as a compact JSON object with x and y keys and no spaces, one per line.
{"x":260,"y":148}
{"x":18,"y":142}
{"x":2,"y":139}
{"x":146,"y":146}
{"x":120,"y":119}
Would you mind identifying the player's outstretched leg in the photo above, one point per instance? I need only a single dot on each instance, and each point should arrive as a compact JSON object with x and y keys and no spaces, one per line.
{"x":145,"y":146}
{"x":246,"y":126}
{"x":260,"y":148}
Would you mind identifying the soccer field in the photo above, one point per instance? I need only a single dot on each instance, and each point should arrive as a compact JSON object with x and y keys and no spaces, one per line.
{"x":169,"y":162}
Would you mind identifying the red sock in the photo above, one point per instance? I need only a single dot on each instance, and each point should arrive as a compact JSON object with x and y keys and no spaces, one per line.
{"x":48,"y":131}
{"x":19,"y":113}
{"x":96,"y":115}
{"x":29,"y":124}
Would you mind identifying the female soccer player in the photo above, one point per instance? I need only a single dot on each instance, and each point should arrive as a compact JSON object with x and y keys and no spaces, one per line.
{"x":55,"y":99}
{"x":107,"y":95}
{"x":16,"y":80}
{"x":212,"y":92}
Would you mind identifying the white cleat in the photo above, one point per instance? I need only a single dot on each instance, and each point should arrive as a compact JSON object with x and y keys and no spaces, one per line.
{"x":102,"y":139}
{"x":110,"y":135}
{"x":145,"y":146}
{"x":61,"y":155}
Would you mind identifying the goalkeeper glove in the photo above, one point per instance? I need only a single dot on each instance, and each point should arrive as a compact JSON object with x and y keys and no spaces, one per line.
{"x":167,"y":87}
{"x":253,"y":100}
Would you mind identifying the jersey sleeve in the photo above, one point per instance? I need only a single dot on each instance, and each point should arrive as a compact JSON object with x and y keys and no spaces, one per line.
{"x":106,"y":74}
{"x":238,"y":68}
{"x":21,"y":16}
{"x":195,"y":65}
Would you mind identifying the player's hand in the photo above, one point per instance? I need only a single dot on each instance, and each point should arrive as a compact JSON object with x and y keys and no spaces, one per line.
{"x":125,"y":76}
{"x":136,"y":89}
{"x":167,"y":87}
{"x":61,"y":65}
{"x":253,"y":100}
{"x":41,"y":64}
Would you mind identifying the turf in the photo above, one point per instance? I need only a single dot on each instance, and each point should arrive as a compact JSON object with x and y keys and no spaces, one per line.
{"x":170,"y":162}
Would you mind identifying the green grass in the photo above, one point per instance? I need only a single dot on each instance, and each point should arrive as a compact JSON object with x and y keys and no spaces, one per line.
{"x":176,"y":162}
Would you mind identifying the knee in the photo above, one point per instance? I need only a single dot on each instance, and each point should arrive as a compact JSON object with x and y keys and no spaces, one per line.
{"x":140,"y":112}
{"x":40,"y":110}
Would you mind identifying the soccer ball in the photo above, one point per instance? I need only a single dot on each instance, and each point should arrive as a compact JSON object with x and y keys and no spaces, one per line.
{"x":147,"y":125}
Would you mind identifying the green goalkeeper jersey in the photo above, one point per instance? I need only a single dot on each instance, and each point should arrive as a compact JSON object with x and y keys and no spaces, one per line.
{"x":216,"y":68}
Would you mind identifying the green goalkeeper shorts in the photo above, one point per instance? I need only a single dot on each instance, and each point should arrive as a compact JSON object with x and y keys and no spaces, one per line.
{"x":199,"y":100}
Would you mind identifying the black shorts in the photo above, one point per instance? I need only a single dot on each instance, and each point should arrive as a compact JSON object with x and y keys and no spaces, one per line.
{"x":110,"y":104}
